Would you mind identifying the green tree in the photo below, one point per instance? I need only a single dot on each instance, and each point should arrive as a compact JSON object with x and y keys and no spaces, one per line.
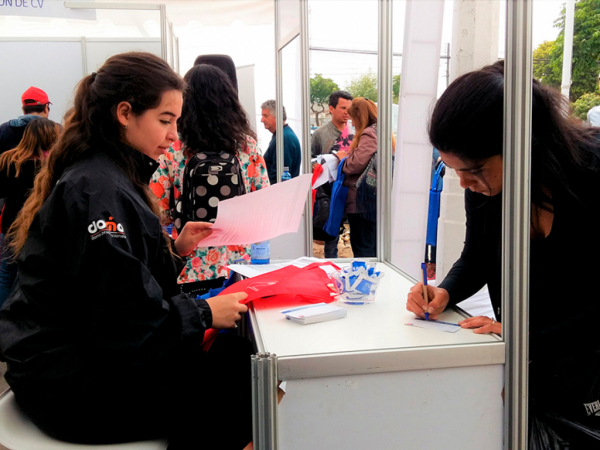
{"x":542,"y":67}
{"x":396,"y":89}
{"x":320,"y":90}
{"x":584,"y":104}
{"x":364,"y":86}
{"x":586,"y":50}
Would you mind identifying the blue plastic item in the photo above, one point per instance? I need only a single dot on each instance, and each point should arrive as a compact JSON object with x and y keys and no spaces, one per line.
{"x":286,"y":174}
{"x":260,"y":253}
{"x":339,"y":192}
{"x":435,"y":193}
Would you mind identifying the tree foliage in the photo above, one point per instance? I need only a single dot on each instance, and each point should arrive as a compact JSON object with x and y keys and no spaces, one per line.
{"x":364,"y":86}
{"x":586,"y":51}
{"x":320,"y":90}
{"x":584,"y":104}
{"x":542,"y":67}
{"x":396,"y":89}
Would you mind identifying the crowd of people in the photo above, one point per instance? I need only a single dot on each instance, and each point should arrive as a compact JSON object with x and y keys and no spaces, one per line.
{"x":102,"y":301}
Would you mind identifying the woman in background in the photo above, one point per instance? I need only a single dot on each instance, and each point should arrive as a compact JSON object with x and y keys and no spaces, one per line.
{"x":18,"y":168}
{"x":214,"y":122}
{"x":361,"y":209}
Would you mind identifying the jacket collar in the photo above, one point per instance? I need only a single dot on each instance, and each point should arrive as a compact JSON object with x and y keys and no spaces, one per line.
{"x":144,"y":165}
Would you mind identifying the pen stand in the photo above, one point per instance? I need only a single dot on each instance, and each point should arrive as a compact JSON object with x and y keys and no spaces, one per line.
{"x":357,"y":284}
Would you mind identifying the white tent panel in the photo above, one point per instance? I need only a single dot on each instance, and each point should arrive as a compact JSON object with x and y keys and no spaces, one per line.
{"x":54,"y":66}
{"x":99,"y":50}
{"x":420,"y":70}
{"x":246,"y":90}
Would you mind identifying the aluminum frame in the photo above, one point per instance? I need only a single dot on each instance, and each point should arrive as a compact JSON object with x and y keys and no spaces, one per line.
{"x":162,"y":8}
{"x":384,"y":132}
{"x":518,"y":77}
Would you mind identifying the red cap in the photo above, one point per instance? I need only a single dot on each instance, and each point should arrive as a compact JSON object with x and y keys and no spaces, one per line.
{"x":34,"y":96}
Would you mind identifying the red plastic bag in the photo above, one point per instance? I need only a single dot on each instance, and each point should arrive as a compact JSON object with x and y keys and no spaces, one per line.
{"x":310,"y":284}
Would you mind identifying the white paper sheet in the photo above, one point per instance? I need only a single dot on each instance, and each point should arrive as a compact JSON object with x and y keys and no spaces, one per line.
{"x":330,"y":168}
{"x":250,"y":271}
{"x":260,"y":215}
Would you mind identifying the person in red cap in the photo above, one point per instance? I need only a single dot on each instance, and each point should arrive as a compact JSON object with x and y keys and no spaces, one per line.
{"x":35,"y":104}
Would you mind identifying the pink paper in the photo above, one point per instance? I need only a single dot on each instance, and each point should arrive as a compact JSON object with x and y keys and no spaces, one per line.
{"x":260,"y":215}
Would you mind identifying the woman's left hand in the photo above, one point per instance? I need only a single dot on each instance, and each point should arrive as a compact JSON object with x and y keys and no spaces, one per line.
{"x":341,"y":154}
{"x":191,"y":234}
{"x":482,"y":325}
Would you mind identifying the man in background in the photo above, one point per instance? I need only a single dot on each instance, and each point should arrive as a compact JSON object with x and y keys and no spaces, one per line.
{"x":327,"y":135}
{"x":35,"y":104}
{"x":291,"y":145}
{"x":330,"y":137}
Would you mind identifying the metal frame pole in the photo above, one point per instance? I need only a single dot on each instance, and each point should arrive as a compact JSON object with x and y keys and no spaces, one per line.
{"x":518,"y":74}
{"x":163,"y":32}
{"x":278,"y":97}
{"x":305,"y":92}
{"x":384,"y":131}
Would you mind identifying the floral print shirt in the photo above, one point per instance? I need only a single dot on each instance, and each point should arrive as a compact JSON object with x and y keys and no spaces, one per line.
{"x":207,"y":263}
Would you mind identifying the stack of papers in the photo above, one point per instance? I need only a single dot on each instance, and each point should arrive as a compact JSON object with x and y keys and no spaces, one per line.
{"x":319,"y":312}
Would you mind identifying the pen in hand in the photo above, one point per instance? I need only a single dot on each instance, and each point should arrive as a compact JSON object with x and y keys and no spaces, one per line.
{"x":424,"y":271}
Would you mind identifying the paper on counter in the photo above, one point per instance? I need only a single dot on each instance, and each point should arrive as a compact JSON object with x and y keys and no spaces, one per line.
{"x":260,"y":215}
{"x":250,"y":271}
{"x":434,"y":325}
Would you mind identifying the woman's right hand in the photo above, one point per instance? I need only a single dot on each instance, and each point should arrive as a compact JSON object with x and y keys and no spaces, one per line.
{"x":438,"y":300}
{"x":226,"y":309}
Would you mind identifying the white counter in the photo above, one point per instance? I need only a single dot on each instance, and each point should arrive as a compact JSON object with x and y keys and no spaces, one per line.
{"x":370,"y":381}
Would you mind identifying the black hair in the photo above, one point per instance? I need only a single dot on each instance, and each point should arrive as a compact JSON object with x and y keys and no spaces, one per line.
{"x":212,"y":118}
{"x":468,"y":122}
{"x":223,"y":62}
{"x":31,"y":109}
{"x":335,"y":97}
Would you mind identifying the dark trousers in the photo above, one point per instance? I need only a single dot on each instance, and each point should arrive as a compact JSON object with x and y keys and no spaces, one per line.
{"x":331,"y":248}
{"x":363,"y":236}
{"x":197,"y":400}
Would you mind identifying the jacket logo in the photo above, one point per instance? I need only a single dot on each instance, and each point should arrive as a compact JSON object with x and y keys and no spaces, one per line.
{"x":101,"y":227}
{"x":592,"y":408}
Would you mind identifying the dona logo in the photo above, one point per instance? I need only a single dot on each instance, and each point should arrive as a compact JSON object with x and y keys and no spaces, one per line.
{"x":109,"y":226}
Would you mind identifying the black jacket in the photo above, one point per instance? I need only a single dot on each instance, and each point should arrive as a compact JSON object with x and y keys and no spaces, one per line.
{"x":16,"y":189}
{"x":11,"y":132}
{"x":96,"y":287}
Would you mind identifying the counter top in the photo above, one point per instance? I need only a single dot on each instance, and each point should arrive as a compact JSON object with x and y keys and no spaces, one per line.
{"x":372,"y":338}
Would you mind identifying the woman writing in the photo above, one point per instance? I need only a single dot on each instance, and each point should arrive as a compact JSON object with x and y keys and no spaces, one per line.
{"x":467,"y":128}
{"x":18,"y":168}
{"x":214,"y":123}
{"x":100,"y":346}
{"x":361,"y":211}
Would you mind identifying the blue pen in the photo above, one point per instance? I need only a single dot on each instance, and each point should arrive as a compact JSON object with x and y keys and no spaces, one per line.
{"x":441,"y":321}
{"x":424,"y":269}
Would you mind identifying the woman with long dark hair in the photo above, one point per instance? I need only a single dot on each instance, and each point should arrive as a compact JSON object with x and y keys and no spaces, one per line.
{"x":18,"y":168}
{"x":361,"y":212}
{"x":467,"y":128}
{"x":101,"y":347}
{"x":213,"y":122}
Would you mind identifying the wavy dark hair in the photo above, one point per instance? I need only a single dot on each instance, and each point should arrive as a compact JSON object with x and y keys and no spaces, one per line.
{"x":212,"y":118}
{"x":92,"y":126}
{"x":38,"y":138}
{"x":468,"y":122}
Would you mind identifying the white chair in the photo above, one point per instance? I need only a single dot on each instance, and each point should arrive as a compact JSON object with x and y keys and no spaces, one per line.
{"x":17,"y":432}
